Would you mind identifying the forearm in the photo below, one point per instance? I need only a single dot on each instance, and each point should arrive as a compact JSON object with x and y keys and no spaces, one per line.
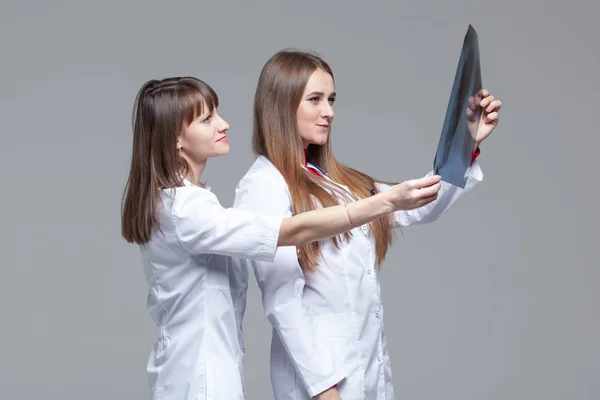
{"x":327,"y":222}
{"x":447,"y":197}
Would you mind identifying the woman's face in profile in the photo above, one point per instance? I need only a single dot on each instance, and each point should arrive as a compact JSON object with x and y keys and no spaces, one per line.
{"x":204,"y":137}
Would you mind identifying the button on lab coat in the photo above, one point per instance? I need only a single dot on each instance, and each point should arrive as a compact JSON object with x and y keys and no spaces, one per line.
{"x":194,"y":295}
{"x":328,"y":325}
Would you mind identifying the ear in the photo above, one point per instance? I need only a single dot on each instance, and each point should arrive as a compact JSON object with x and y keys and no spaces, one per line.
{"x":178,"y":144}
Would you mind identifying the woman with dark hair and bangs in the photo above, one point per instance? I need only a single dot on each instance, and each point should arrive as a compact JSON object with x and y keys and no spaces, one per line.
{"x":190,"y":245}
{"x":323,"y":298}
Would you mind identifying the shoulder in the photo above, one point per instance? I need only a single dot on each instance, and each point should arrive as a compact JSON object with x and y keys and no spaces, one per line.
{"x":187,"y":201}
{"x":262,"y":188}
{"x":262,"y":173}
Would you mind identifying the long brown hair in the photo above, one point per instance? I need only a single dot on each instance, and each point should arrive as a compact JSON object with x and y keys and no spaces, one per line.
{"x":275,"y":136}
{"x":162,"y":109}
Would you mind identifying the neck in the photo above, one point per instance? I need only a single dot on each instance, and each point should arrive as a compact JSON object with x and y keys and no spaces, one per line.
{"x":195,"y":172}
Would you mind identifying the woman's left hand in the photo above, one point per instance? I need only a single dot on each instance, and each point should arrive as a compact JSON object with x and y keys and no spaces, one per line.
{"x":480,"y":128}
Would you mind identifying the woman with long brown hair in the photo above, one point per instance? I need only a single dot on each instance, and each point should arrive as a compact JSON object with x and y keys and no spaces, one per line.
{"x":323,"y":298}
{"x":189,"y":242}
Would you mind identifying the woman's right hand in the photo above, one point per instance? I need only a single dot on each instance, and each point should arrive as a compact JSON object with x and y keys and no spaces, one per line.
{"x":414,"y":193}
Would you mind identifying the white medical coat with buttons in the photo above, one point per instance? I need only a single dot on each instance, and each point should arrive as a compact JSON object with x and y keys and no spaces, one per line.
{"x":328,"y":325}
{"x":194,"y":295}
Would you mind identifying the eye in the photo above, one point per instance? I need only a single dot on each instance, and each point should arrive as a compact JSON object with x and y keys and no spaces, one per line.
{"x":332,"y":100}
{"x":207,"y":118}
{"x":314,"y":99}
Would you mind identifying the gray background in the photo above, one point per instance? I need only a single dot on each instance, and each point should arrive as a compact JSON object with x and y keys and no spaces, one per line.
{"x":497,"y":300}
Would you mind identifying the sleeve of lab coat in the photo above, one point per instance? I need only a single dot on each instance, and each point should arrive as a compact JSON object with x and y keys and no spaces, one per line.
{"x":282,"y":284}
{"x":447,"y":196}
{"x":203,"y":226}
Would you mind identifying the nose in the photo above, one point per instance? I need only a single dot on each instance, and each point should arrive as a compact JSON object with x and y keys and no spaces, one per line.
{"x":327,"y":111}
{"x":223,"y":125}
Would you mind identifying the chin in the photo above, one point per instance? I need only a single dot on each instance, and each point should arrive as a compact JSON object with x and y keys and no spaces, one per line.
{"x":221,"y":152}
{"x":320,"y":139}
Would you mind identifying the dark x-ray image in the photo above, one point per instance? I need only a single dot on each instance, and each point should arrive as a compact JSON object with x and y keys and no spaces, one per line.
{"x":453,"y":156}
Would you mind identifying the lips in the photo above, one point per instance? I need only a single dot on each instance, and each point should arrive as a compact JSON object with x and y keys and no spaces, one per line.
{"x":223,"y":139}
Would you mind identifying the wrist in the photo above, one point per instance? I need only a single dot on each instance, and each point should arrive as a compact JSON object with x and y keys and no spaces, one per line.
{"x":330,"y":393}
{"x":385,"y":202}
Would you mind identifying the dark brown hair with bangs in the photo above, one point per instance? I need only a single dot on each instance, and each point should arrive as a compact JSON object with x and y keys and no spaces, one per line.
{"x":162,"y":109}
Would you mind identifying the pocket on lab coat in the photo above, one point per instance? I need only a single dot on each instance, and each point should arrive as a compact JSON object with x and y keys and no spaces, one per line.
{"x":338,"y":337}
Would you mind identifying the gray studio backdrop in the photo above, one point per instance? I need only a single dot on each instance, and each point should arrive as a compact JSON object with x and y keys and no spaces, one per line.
{"x":497,"y":300}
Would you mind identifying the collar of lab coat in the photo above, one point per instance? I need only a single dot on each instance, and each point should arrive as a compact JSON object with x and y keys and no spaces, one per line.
{"x":203,"y":185}
{"x":324,"y":173}
{"x":313,"y":166}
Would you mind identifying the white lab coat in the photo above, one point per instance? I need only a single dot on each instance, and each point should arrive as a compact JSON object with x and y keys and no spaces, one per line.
{"x":328,"y":325}
{"x":194,"y":298}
